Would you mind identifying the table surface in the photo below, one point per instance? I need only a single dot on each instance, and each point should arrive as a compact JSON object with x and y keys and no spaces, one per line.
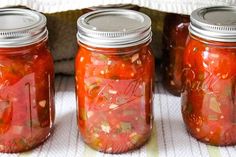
{"x":169,"y":137}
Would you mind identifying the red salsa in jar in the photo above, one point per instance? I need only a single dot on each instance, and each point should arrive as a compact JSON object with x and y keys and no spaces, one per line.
{"x":209,"y":76}
{"x":114,"y":80}
{"x":175,"y":33}
{"x":26,"y":80}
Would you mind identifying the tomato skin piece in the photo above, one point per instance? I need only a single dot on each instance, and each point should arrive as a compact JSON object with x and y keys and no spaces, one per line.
{"x":175,"y":35}
{"x":26,"y":97}
{"x":114,"y":96}
{"x":209,"y":78}
{"x":6,"y":116}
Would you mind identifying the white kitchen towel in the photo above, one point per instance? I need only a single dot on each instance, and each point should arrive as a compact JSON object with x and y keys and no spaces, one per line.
{"x":176,"y":6}
{"x":169,"y":137}
{"x":63,"y":43}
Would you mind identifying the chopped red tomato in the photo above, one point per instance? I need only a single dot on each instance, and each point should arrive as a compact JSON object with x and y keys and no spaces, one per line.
{"x":208,"y":103}
{"x":26,"y":97}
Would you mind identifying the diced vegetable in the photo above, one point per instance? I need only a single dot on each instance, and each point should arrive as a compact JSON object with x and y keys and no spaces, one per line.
{"x":113,"y":105}
{"x":209,"y":95}
{"x":26,"y":97}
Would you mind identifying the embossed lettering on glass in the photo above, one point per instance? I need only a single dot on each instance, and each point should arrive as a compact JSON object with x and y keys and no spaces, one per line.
{"x":209,"y":76}
{"x":114,"y":80}
{"x":26,"y":80}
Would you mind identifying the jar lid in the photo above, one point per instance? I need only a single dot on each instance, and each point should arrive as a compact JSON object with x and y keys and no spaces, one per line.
{"x":214,"y":23}
{"x":21,"y":27}
{"x":114,"y":28}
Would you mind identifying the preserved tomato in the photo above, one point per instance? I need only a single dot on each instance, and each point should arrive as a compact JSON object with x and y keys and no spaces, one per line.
{"x":26,"y":85}
{"x":175,"y":34}
{"x":114,"y":88}
{"x":209,"y":79}
{"x":115,"y":100}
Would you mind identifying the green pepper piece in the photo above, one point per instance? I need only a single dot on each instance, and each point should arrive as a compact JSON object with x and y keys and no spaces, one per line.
{"x":102,"y":57}
{"x":201,"y":76}
{"x":189,"y":108}
{"x":213,"y":117}
{"x":121,"y":100}
{"x":135,"y":138}
{"x":214,"y":105}
{"x":125,"y":126}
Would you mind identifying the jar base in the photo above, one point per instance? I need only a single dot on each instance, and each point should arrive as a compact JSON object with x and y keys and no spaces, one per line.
{"x":6,"y":148}
{"x":119,"y":151}
{"x":202,"y":140}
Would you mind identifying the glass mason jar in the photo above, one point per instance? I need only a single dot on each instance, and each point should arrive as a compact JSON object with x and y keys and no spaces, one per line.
{"x":175,"y":34}
{"x":114,"y":79}
{"x":26,"y":80}
{"x":209,"y":76}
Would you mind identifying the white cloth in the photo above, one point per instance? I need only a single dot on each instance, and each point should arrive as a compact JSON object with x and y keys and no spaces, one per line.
{"x":169,"y":137}
{"x":176,"y":6}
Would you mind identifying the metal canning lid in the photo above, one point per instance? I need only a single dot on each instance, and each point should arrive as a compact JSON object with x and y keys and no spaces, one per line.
{"x":21,"y":27}
{"x":114,"y":28}
{"x":214,"y":23}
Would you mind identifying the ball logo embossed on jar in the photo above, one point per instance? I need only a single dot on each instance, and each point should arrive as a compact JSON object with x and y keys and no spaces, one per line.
{"x":114,"y":79}
{"x":26,"y":80}
{"x":209,"y":76}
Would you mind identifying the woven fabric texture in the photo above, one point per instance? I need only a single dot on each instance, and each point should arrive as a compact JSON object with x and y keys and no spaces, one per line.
{"x":62,"y":16}
{"x":176,"y":6}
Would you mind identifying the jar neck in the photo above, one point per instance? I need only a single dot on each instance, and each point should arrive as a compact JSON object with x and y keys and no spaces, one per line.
{"x":115,"y":51}
{"x":211,"y":42}
{"x":25,"y":49}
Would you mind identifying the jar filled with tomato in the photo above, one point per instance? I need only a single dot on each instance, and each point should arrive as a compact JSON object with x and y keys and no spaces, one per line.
{"x":26,"y":80}
{"x":209,"y":76}
{"x":114,"y":79}
{"x":175,"y":33}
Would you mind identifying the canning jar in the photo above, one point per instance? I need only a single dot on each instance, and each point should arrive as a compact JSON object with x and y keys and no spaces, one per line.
{"x":175,"y":33}
{"x":26,"y":80}
{"x":114,"y":79}
{"x":209,"y":76}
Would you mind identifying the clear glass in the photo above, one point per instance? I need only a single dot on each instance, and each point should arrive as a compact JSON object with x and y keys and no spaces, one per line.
{"x":175,"y":34}
{"x":114,"y":89}
{"x":26,"y":97}
{"x":208,"y":98}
